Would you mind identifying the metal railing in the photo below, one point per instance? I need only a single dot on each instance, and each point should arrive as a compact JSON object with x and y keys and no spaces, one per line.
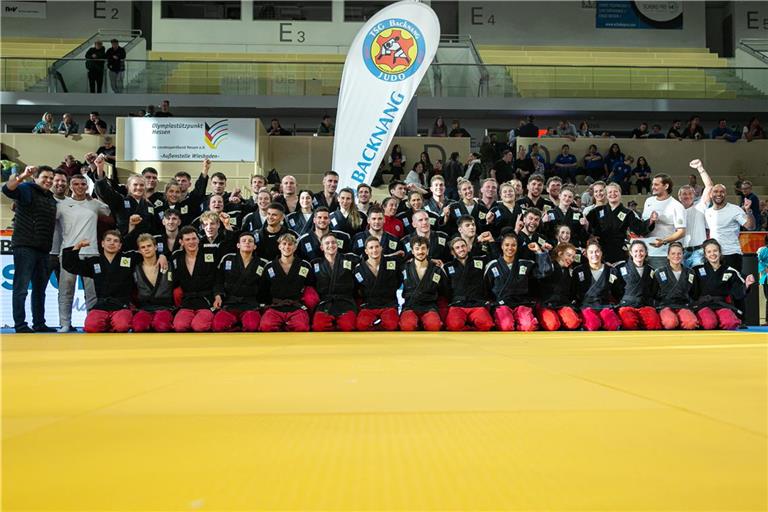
{"x":758,"y":48}
{"x":238,"y":78}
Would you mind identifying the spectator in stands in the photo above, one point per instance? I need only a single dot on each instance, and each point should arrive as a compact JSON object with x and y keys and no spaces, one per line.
{"x":694,"y":130}
{"x":594,"y":164}
{"x":642,"y":174}
{"x":613,"y":156}
{"x":33,"y":226}
{"x":474,"y":169}
{"x":326,"y":126}
{"x":488,"y":150}
{"x":453,"y":171}
{"x":67,"y":126}
{"x":566,"y":165}
{"x":748,"y":195}
{"x":675,"y":131}
{"x":528,"y":129}
{"x":641,"y":132}
{"x":150,"y":112}
{"x":417,"y":178}
{"x":621,"y":173}
{"x":583,"y":130}
{"x":70,"y":166}
{"x":116,"y":65}
{"x":396,"y":162}
{"x":439,"y":129}
{"x":722,"y":132}
{"x":165,"y":109}
{"x":429,"y":169}
{"x":503,"y":170}
{"x":95,"y":125}
{"x":524,"y":166}
{"x":656,"y":132}
{"x":276,"y":129}
{"x":45,"y":124}
{"x":566,"y":129}
{"x":539,"y":162}
{"x":764,"y":215}
{"x":108,"y":150}
{"x":693,"y":183}
{"x":753,"y":130}
{"x":457,"y":130}
{"x":95,"y":58}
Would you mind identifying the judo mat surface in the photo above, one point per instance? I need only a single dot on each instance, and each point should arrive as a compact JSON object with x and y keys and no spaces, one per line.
{"x":385,"y":421}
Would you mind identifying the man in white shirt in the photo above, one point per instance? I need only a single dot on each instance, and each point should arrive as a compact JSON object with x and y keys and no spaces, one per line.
{"x":78,"y":218}
{"x":670,"y":224}
{"x":695,"y":222}
{"x":724,"y":221}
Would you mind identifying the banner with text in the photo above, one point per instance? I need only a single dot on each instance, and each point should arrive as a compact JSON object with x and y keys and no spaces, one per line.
{"x":180,"y":139}
{"x":51,"y":292}
{"x":384,"y":66}
{"x":639,"y":14}
{"x":24,"y":9}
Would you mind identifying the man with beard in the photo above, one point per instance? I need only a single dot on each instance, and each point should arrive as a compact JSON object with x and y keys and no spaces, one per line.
{"x":669,"y":224}
{"x":309,"y":244}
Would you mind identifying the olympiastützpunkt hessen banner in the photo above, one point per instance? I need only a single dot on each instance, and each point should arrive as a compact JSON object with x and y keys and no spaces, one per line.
{"x":384,"y":66}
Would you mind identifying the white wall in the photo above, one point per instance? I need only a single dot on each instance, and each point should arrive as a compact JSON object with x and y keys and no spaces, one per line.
{"x":249,"y":35}
{"x":71,"y":19}
{"x":568,"y":23}
{"x":750,"y":20}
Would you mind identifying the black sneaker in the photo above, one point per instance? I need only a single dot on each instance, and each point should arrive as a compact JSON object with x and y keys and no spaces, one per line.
{"x":24,"y":330}
{"x":44,"y":328}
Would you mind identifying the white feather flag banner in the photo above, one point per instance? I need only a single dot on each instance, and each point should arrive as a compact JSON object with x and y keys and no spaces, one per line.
{"x":384,"y":66}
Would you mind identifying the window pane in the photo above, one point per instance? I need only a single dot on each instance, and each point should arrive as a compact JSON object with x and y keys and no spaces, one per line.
{"x":362,"y":10}
{"x":223,"y":10}
{"x":292,"y":10}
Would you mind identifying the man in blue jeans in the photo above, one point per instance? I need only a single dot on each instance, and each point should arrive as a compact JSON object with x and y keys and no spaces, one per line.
{"x":33,"y":225}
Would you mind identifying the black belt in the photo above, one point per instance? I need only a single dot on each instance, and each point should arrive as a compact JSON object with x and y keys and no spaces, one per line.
{"x":695,"y":248}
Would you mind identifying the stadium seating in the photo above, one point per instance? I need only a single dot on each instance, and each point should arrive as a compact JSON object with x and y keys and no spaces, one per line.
{"x":251,"y":73}
{"x":615,"y":72}
{"x":28,"y":59}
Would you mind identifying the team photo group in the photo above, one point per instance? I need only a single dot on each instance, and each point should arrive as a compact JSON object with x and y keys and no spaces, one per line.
{"x":512,"y":256}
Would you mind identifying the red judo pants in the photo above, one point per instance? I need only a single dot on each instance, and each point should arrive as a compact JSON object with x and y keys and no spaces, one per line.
{"x":430,"y":320}
{"x":552,"y":319}
{"x":198,"y":320}
{"x":99,"y":320}
{"x":522,"y":317}
{"x":682,"y":318}
{"x":225,"y":320}
{"x":712,"y":318}
{"x":595,"y":319}
{"x":324,"y":322}
{"x":645,"y":317}
{"x":158,"y":321}
{"x":464,"y":319}
{"x":388,"y":319}
{"x":292,"y":321}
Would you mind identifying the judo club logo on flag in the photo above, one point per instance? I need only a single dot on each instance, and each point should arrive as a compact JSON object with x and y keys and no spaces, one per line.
{"x":393,"y":50}
{"x":216,"y":132}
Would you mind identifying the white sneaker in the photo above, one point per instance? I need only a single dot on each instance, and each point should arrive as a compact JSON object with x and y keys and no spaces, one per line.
{"x":64,"y":329}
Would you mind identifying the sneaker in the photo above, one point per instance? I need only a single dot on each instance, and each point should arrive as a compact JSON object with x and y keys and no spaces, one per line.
{"x":24,"y":330}
{"x":44,"y":328}
{"x":64,"y":328}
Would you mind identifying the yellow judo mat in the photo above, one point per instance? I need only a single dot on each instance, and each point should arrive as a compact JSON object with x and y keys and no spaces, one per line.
{"x":377,"y":421}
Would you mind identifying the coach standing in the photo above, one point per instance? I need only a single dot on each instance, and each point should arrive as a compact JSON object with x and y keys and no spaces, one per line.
{"x":33,"y":225}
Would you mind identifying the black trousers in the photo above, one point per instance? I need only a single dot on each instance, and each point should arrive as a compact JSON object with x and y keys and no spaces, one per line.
{"x":736,"y":261}
{"x":95,"y":80}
